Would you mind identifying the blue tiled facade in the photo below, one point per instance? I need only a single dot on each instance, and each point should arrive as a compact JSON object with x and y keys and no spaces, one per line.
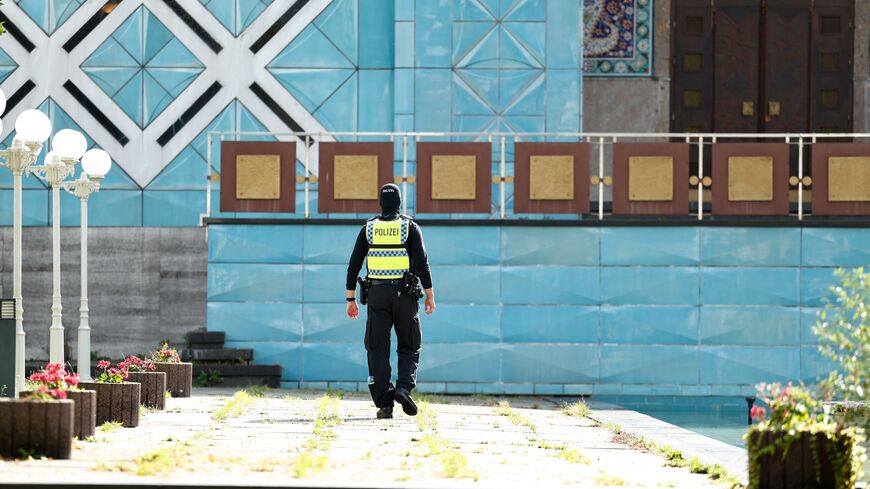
{"x":537,"y":309}
{"x":339,"y":65}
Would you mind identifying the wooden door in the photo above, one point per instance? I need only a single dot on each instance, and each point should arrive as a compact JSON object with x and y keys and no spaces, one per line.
{"x":832,"y":54}
{"x":762,"y":66}
{"x":786,"y":63}
{"x":691,"y":89}
{"x":736,"y":37}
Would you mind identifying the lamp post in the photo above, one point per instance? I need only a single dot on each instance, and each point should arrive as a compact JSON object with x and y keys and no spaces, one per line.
{"x":32,"y":129}
{"x":95,"y":164}
{"x":67,"y":147}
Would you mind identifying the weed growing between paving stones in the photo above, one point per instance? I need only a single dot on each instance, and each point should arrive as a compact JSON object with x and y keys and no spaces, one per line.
{"x":234,"y":407}
{"x":504,"y":409}
{"x":561,"y":450}
{"x":453,"y":462}
{"x":577,"y":409}
{"x":257,"y":390}
{"x":425,"y":417}
{"x":161,"y":461}
{"x":322,"y":435}
{"x":111,"y":426}
{"x":672,"y":456}
{"x":609,"y":480}
{"x":565,"y":453}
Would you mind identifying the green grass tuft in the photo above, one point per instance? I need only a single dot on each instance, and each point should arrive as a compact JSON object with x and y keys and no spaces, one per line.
{"x":504,"y":409}
{"x":111,"y":426}
{"x":577,"y":409}
{"x":234,"y":407}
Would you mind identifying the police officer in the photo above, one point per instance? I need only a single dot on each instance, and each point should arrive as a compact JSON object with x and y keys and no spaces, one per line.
{"x":392,"y":246}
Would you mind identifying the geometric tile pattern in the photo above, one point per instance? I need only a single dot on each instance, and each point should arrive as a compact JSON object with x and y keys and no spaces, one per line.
{"x":187,"y":171}
{"x":499,"y":65}
{"x":236,"y":15}
{"x":337,"y":65}
{"x":618,"y":37}
{"x":659,"y":324}
{"x":320,"y":67}
{"x":49,"y":14}
{"x":142,"y":66}
{"x":7,"y":65}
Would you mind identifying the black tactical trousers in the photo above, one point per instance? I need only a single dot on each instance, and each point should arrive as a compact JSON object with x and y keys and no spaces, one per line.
{"x":387,"y":307}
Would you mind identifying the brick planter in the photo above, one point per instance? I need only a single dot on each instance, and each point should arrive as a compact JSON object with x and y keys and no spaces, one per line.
{"x":797,"y":467}
{"x":116,"y":402}
{"x":153,"y":384}
{"x":179,"y":377}
{"x":38,"y":427}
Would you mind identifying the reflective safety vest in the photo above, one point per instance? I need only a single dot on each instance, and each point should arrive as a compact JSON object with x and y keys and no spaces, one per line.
{"x":387,"y":257}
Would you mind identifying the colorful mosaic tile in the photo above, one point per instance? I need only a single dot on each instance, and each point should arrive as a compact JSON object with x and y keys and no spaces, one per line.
{"x":618,"y":37}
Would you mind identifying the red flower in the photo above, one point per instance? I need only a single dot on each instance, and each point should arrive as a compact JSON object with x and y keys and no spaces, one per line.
{"x":103,"y":364}
{"x":757,"y":413}
{"x":58,"y":394}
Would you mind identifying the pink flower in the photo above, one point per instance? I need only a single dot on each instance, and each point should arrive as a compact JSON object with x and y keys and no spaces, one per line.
{"x":103,"y":364}
{"x":786,"y":392}
{"x":757,"y":413}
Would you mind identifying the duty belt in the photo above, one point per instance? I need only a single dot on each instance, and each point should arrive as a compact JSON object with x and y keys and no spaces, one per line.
{"x":375,"y":281}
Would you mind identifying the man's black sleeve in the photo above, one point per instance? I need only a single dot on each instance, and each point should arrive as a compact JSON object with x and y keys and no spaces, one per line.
{"x":360,"y":249}
{"x":417,"y":253}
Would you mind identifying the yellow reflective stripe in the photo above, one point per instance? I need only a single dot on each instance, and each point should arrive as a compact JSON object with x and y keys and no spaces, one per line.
{"x":374,"y":263}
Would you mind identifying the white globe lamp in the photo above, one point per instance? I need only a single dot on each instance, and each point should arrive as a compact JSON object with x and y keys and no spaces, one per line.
{"x":96,"y":163}
{"x":69,"y":144}
{"x":33,"y":126}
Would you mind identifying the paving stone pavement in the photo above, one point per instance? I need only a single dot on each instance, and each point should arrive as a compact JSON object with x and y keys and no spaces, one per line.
{"x":277,"y":436}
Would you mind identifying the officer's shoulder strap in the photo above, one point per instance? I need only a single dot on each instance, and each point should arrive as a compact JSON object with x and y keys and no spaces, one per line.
{"x":406,"y":217}
{"x":374,"y":218}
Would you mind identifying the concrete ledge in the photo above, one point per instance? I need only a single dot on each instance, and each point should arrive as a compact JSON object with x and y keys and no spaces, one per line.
{"x":689,"y":443}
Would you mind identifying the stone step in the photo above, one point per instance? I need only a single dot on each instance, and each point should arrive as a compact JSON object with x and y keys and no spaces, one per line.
{"x":241,"y":375}
{"x":201,"y":340}
{"x":236,"y":355}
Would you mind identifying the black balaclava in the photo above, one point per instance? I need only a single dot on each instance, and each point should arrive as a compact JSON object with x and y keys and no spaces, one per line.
{"x":391,"y":199}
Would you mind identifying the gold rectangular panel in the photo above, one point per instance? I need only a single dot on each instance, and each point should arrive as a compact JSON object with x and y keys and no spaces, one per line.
{"x":849,"y":179}
{"x":692,"y":99}
{"x":750,"y":178}
{"x":258,"y":177}
{"x":356,"y":177}
{"x":454,"y":177}
{"x":651,"y":178}
{"x":551,"y":177}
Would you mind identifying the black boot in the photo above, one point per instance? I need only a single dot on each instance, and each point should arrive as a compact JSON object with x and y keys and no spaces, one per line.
{"x":403,"y":397}
{"x":385,"y":413}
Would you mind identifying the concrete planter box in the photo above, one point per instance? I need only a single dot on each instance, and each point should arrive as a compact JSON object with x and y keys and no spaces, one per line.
{"x":179,"y":377}
{"x":797,"y":467}
{"x":38,"y":427}
{"x":153,"y":388}
{"x":116,"y":402}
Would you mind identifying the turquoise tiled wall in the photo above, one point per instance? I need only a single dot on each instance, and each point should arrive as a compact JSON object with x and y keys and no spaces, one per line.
{"x":355,"y":66}
{"x":523,"y":309}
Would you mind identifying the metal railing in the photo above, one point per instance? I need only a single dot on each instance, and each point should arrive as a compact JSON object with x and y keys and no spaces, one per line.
{"x":311,"y":140}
